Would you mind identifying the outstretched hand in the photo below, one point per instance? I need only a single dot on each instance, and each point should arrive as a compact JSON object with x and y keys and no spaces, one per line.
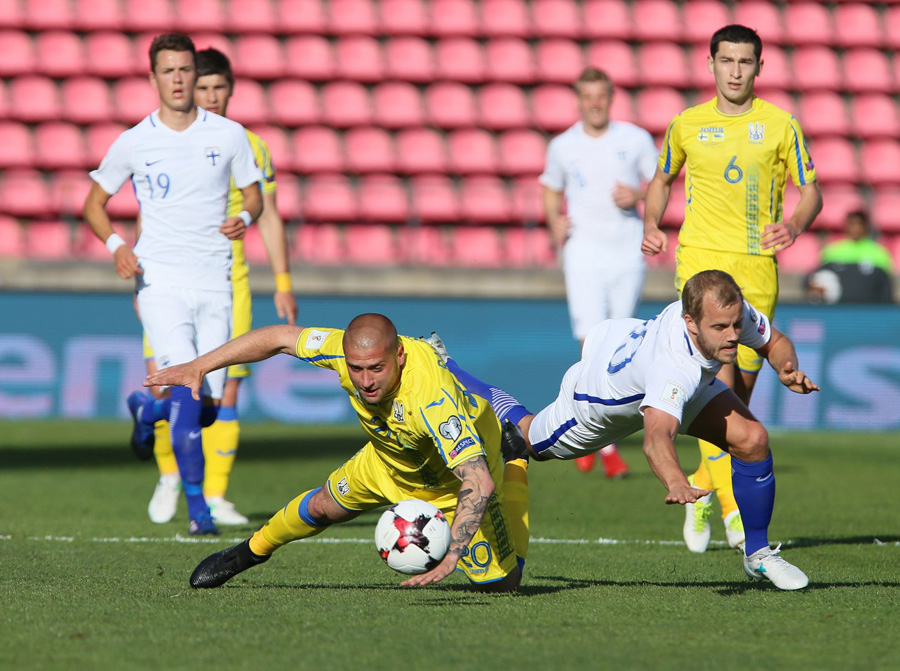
{"x":796,"y":380}
{"x":184,"y":375}
{"x":684,"y":493}
{"x":438,"y":573}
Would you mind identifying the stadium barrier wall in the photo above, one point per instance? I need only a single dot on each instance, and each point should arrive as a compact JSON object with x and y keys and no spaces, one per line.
{"x":78,"y":355}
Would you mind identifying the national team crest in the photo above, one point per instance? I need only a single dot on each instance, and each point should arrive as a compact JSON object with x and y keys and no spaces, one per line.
{"x":399,"y":412}
{"x":757,"y":132}
{"x":213,"y":154}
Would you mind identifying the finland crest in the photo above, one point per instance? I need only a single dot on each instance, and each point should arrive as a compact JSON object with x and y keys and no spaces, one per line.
{"x":213,"y":154}
{"x":757,"y":132}
{"x":399,"y":413}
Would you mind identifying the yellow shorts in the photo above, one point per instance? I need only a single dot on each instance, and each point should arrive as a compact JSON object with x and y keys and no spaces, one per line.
{"x":241,"y":307}
{"x":364,"y":482}
{"x":757,"y":276}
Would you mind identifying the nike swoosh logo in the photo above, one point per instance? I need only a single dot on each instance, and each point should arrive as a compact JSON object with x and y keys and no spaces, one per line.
{"x":154,"y":162}
{"x":716,"y":458}
{"x":193,"y":435}
{"x":765,"y":477}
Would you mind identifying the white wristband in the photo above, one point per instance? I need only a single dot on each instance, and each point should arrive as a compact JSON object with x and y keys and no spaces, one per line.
{"x":244,"y":216}
{"x":113,"y":242}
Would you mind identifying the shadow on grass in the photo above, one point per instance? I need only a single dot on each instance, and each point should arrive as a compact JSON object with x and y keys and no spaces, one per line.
{"x":886,"y":539}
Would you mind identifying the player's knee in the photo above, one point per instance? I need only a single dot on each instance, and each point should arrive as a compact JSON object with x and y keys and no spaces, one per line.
{"x":510,"y":583}
{"x":755,"y":444}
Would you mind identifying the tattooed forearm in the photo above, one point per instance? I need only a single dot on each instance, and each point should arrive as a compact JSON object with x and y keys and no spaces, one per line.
{"x":474,"y":494}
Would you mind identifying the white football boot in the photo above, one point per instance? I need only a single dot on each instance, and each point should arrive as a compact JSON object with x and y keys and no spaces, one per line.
{"x":765,"y":563}
{"x":165,"y":497}
{"x":696,"y":522}
{"x":224,"y":513}
{"x":437,"y":345}
{"x":734,"y":530}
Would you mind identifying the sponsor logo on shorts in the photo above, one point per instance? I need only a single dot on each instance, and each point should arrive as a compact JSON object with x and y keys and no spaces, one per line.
{"x":461,"y":445}
{"x":451,"y":429}
{"x":315,"y":339}
{"x":673,"y":394}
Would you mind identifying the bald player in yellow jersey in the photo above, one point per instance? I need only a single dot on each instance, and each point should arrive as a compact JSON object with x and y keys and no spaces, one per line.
{"x":737,"y":151}
{"x":213,"y":90}
{"x":428,"y":438}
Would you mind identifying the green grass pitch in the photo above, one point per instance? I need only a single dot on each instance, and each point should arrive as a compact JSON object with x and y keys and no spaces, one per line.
{"x":88,"y":582}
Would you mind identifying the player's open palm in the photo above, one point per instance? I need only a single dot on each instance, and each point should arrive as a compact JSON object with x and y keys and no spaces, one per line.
{"x":796,"y":380}
{"x":684,"y":493}
{"x":438,"y":573}
{"x":182,"y":375}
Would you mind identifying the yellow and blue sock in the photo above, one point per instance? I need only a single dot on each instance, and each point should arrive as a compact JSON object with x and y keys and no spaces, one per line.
{"x":754,"y":490}
{"x":714,"y":474}
{"x":220,"y":444}
{"x":291,"y":523}
{"x":516,"y":498}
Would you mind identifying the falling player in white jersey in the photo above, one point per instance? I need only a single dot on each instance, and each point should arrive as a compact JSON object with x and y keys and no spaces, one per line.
{"x":601,"y":167}
{"x":660,"y":375}
{"x":180,"y":160}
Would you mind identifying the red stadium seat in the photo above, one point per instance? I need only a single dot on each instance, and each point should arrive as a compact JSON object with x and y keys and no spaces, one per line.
{"x":472,"y":150}
{"x":557,"y":18}
{"x":12,"y":238}
{"x":617,"y":60}
{"x":451,"y":18}
{"x":835,"y":161}
{"x":318,"y":245}
{"x":111,"y":55}
{"x":317,"y":149}
{"x":477,"y":247}
{"x":99,"y":138}
{"x":886,"y":211}
{"x":553,"y":107}
{"x":204,"y":40}
{"x":880,"y":161}
{"x":421,"y":151}
{"x":95,"y":15}
{"x":48,"y":241}
{"x":868,"y":71}
{"x":485,"y":200}
{"x":808,"y":23}
{"x":34,"y":99}
{"x":195,"y":16}
{"x":764,"y":18}
{"x":398,"y":105}
{"x":310,"y":57}
{"x":302,"y":17}
{"x":352,"y":17}
{"x":383,"y":198}
{"x":258,"y":57}
{"x":818,"y":69}
{"x":824,"y":113}
{"x":425,"y":246}
{"x":294,"y":102}
{"x":409,"y":59}
{"x":252,"y":16}
{"x":288,"y":196}
{"x":250,"y":105}
{"x":802,"y":257}
{"x":857,"y":25}
{"x":663,"y":64}
{"x":404,"y":17}
{"x":48,"y":14}
{"x":12,"y":14}
{"x":698,"y":68}
{"x":656,"y":20}
{"x":530,"y":248}
{"x":702,"y":18}
{"x":254,"y":247}
{"x":673,"y":217}
{"x":371,"y":245}
{"x":68,"y":189}
{"x":151,"y":16}
{"x":874,"y":115}
{"x":559,"y":61}
{"x":527,"y":201}
{"x":24,"y":193}
{"x":346,"y":104}
{"x":369,"y":149}
{"x":503,"y":106}
{"x":16,"y":145}
{"x":607,"y":20}
{"x":657,"y":107}
{"x":450,"y":105}
{"x":434,"y":199}
{"x":839,"y":200}
{"x":510,"y":60}
{"x":279,"y":144}
{"x":133,"y":99}
{"x":781,"y":99}
{"x":522,"y":152}
{"x":4,"y":100}
{"x":124,"y":204}
{"x":18,"y":54}
{"x":460,"y":59}
{"x":505,"y":18}
{"x":622,"y":108}
{"x":891,"y":18}
{"x":86,"y":100}
{"x":60,"y":53}
{"x":776,"y":73}
{"x":59,"y":145}
{"x":359,"y":59}
{"x":329,"y":198}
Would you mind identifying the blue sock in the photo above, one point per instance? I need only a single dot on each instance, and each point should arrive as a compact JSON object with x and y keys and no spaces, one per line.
{"x":504,"y":404}
{"x":754,"y":491}
{"x":187,"y":444}
{"x":159,"y":408}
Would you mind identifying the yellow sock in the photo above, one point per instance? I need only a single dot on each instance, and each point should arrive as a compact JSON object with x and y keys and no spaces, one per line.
{"x":162,"y":450}
{"x":701,"y":478}
{"x":284,"y":526}
{"x":220,"y":443}
{"x":718,"y":464}
{"x":515,"y":496}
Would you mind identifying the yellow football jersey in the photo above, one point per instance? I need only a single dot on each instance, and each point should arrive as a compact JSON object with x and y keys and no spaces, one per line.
{"x":264,"y":163}
{"x":428,"y":426}
{"x":736,"y":168}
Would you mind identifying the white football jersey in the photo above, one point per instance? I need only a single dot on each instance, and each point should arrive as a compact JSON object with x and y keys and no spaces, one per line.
{"x":587,"y":169}
{"x":181,"y":180}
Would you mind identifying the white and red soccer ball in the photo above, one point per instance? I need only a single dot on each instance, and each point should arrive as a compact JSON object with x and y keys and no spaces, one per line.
{"x":412,"y":536}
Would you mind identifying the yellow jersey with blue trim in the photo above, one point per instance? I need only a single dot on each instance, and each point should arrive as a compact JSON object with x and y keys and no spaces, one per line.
{"x":425,"y":428}
{"x":264,"y":162}
{"x":736,"y":168}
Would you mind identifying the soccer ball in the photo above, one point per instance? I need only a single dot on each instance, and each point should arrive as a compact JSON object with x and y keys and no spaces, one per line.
{"x":412,"y":536}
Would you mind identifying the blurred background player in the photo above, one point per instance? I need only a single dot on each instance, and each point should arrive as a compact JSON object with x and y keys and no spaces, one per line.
{"x":602,"y":168}
{"x":213,"y":90}
{"x":181,"y":161}
{"x":737,"y":151}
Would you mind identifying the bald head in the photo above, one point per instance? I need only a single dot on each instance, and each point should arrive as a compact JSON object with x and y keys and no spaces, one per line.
{"x":371,"y":332}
